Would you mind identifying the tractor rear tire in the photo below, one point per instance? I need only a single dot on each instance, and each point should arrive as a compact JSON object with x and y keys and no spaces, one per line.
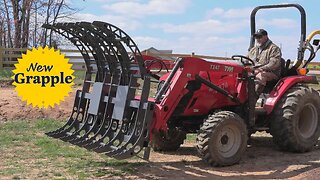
{"x":295,"y":122}
{"x":168,"y":141}
{"x":222,"y":139}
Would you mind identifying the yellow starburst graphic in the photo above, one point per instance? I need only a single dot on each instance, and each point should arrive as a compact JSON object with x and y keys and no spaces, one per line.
{"x":43,"y":77}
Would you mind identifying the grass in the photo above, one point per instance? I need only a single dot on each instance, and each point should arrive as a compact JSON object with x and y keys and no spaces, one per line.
{"x":191,"y":137}
{"x":6,"y":74}
{"x":79,"y":77}
{"x":25,"y":152}
{"x":314,"y":66}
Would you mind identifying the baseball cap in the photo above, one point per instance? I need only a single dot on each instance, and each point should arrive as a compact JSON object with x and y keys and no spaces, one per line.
{"x":260,"y":32}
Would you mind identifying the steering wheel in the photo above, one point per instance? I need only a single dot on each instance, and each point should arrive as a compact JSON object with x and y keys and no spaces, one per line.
{"x":241,"y":57}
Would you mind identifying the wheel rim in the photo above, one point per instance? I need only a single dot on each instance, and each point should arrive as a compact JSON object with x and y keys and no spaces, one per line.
{"x":308,"y":120}
{"x":229,"y":141}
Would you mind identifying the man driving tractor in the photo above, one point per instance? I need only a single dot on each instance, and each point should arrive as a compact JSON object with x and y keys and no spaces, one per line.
{"x":267,"y":54}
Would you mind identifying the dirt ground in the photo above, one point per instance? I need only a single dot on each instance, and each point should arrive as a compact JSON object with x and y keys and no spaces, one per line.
{"x":11,"y":107}
{"x":262,"y":159}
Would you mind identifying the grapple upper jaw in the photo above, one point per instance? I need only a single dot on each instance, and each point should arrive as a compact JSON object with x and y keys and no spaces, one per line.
{"x":108,"y":116}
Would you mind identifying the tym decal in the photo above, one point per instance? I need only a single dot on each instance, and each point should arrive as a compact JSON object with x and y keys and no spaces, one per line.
{"x":228,"y":69}
{"x":215,"y":67}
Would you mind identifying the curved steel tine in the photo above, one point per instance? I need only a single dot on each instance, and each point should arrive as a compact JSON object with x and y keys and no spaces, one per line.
{"x":92,"y":145}
{"x":114,"y":133}
{"x":85,"y":139}
{"x":135,"y":51}
{"x":141,"y":125}
{"x":109,"y":118}
{"x":123,"y":58}
{"x":94,"y":130}
{"x":121,"y":51}
{"x":89,"y":128}
{"x":70,"y":27}
{"x":76,"y":124}
{"x":78,"y":104}
{"x":98,"y":54}
{"x":124,"y":37}
{"x":141,"y":139}
{"x":119,"y":137}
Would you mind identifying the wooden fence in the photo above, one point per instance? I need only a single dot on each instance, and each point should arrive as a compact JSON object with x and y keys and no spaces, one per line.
{"x":9,"y":56}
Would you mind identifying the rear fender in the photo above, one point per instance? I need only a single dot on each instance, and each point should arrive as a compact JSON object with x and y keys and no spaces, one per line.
{"x":281,"y":88}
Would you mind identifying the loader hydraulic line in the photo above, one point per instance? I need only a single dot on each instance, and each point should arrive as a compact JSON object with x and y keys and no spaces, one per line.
{"x":168,"y":80}
{"x":309,"y":46}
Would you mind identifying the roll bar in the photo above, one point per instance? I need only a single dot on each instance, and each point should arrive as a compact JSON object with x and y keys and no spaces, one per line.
{"x":303,"y":26}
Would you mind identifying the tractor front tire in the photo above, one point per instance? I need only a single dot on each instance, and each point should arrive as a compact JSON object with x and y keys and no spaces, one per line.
{"x":222,"y":139}
{"x":295,"y":122}
{"x":168,"y":141}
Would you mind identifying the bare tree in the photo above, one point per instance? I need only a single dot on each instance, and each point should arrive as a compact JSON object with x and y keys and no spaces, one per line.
{"x":56,"y":14}
{"x":8,"y":20}
{"x":26,"y":22}
{"x":20,"y":21}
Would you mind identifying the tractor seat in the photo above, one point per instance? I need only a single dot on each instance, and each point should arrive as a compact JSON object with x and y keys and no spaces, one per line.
{"x":283,"y":73}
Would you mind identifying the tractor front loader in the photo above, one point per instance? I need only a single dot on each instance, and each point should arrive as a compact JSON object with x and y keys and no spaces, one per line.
{"x":115,"y":114}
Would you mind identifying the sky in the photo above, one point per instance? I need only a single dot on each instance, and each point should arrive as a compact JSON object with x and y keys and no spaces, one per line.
{"x":206,"y":27}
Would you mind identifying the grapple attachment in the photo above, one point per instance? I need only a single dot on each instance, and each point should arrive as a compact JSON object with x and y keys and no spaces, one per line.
{"x":111,"y":114}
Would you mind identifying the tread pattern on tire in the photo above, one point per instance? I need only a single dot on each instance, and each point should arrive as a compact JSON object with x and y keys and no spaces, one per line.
{"x":159,"y":144}
{"x":209,"y":125}
{"x":282,"y":126}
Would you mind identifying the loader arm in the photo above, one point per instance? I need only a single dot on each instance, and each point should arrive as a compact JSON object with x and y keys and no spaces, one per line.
{"x":174,"y":89}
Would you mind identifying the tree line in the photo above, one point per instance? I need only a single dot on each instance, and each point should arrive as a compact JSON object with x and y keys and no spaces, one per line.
{"x":21,"y":21}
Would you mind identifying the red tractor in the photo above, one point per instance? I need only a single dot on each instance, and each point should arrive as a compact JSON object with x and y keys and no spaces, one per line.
{"x":113,"y":113}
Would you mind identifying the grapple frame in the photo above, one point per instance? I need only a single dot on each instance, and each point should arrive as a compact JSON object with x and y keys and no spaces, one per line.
{"x":108,"y":116}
